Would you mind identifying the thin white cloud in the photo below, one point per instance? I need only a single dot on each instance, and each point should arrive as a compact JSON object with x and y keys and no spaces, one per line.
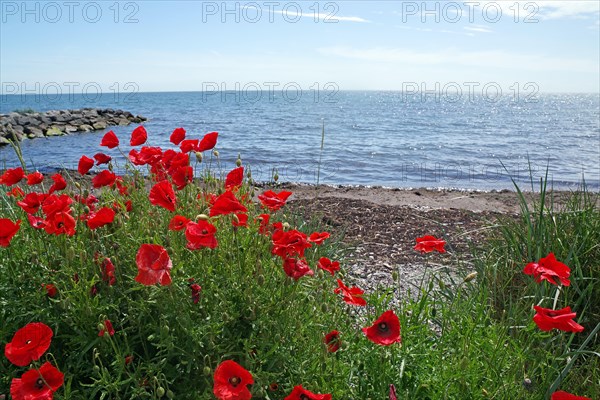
{"x":567,"y":9}
{"x":477,"y":28}
{"x":487,"y":59}
{"x":331,"y":18}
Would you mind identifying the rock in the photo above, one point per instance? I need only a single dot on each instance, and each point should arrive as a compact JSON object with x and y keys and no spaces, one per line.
{"x":3,"y":141}
{"x":54,"y":131}
{"x":85,"y":128}
{"x":33,"y":132}
{"x":70,"y":129}
{"x":99,"y":125}
{"x":123,"y":121}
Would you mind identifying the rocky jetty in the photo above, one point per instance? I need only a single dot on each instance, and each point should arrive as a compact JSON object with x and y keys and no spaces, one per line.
{"x":31,"y":125}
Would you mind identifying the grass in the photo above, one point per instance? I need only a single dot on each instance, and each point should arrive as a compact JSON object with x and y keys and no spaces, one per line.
{"x":472,"y":339}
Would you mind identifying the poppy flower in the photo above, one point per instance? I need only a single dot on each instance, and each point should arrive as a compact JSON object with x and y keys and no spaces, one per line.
{"x":332,"y":341}
{"x":240,"y":219}
{"x":393,"y":392}
{"x":85,"y":164}
{"x":128,"y":360}
{"x":549,"y":269}
{"x":352,"y":296}
{"x":108,"y":328}
{"x":153,"y":264}
{"x":234,"y":178}
{"x":102,"y":158}
{"x":200,"y":234}
{"x":59,"y":183}
{"x":177,"y":136}
{"x":138,"y":136}
{"x":182,"y":176}
{"x":32,"y":202}
{"x":195,"y":292}
{"x":327,"y":265}
{"x":16,"y":192}
{"x":37,"y":384}
{"x":8,"y":230}
{"x":60,"y":223}
{"x":36,"y":222}
{"x":547,"y":319}
{"x":163,"y":195}
{"x":428,"y":243}
{"x":54,"y":204}
{"x":51,"y":290}
{"x":226,"y":203}
{"x":104,"y":178}
{"x":103,"y":216}
{"x":178,"y":223}
{"x":299,"y":393}
{"x":385,"y":331}
{"x":289,"y":243}
{"x":263,"y":220}
{"x":28,"y":344}
{"x":208,"y":141}
{"x":274,"y":201}
{"x":12,"y":176}
{"x":108,"y":271}
{"x":188,"y":145}
{"x":318,"y":237}
{"x":296,"y":268}
{"x":110,"y":140}
{"x":231,"y":381}
{"x":34,"y":178}
{"x":562,"y":395}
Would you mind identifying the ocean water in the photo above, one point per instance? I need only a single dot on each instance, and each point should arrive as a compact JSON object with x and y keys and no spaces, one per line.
{"x":371,"y":138}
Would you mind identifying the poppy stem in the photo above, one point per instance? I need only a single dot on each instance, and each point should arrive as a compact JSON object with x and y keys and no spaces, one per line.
{"x":558,"y":289}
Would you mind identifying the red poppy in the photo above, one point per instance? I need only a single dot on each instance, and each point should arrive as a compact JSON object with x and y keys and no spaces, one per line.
{"x":178,"y":223}
{"x":299,"y":393}
{"x":296,"y":268}
{"x":263,"y":219}
{"x":153,"y":264}
{"x":163,"y":195}
{"x":318,"y":237}
{"x":208,"y":141}
{"x":240,"y":219}
{"x":352,"y":296}
{"x":231,"y":381}
{"x":327,"y":265}
{"x":547,"y":319}
{"x":36,"y":222}
{"x":226,"y":203}
{"x":393,"y":392}
{"x":289,"y":243}
{"x":34,"y":178}
{"x":8,"y":230}
{"x":54,"y":204}
{"x":549,"y":269}
{"x":177,"y":136}
{"x":182,"y":176}
{"x":128,"y":360}
{"x":108,"y":328}
{"x":12,"y":176}
{"x":28,"y":344}
{"x":138,"y":136}
{"x":104,"y":178}
{"x":102,"y":158}
{"x":562,"y":395}
{"x":37,"y":384}
{"x":110,"y":140}
{"x":386,"y":330}
{"x":108,"y":271}
{"x":234,"y":178}
{"x":16,"y":192}
{"x":332,"y":341}
{"x":51,"y":290}
{"x":100,"y":218}
{"x":274,"y":201}
{"x":32,"y":202}
{"x":195,"y":292}
{"x":188,"y":145}
{"x":201,"y":234}
{"x":60,"y":223}
{"x":59,"y":183}
{"x":85,"y":164}
{"x":428,"y":243}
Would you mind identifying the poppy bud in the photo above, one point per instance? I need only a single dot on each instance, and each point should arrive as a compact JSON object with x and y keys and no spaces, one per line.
{"x":236,"y":219}
{"x":441,"y":284}
{"x":70,"y":253}
{"x":86,"y":210}
{"x":77,"y":185}
{"x":238,"y":162}
{"x":198,"y":156}
{"x":151,"y":337}
{"x":164,"y":330}
{"x":96,"y":369}
{"x":260,"y":280}
{"x":320,"y":274}
{"x":86,"y":193}
{"x":160,"y":391}
{"x":249,"y":174}
{"x":324,"y":308}
{"x":110,"y":167}
{"x":100,"y":327}
{"x":395,"y":275}
{"x":216,"y":153}
{"x":207,"y":371}
{"x":286,"y":225}
{"x":484,"y":392}
{"x":170,"y":394}
{"x":202,"y":217}
{"x":276,"y":177}
{"x":470,"y":277}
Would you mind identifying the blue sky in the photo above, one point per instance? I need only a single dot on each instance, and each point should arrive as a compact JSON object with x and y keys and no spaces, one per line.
{"x":380,"y":45}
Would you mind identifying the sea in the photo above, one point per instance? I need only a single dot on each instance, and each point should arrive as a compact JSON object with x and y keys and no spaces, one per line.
{"x":357,"y":138}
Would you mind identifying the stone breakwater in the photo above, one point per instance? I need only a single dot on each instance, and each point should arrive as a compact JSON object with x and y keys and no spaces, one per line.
{"x":31,"y":125}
